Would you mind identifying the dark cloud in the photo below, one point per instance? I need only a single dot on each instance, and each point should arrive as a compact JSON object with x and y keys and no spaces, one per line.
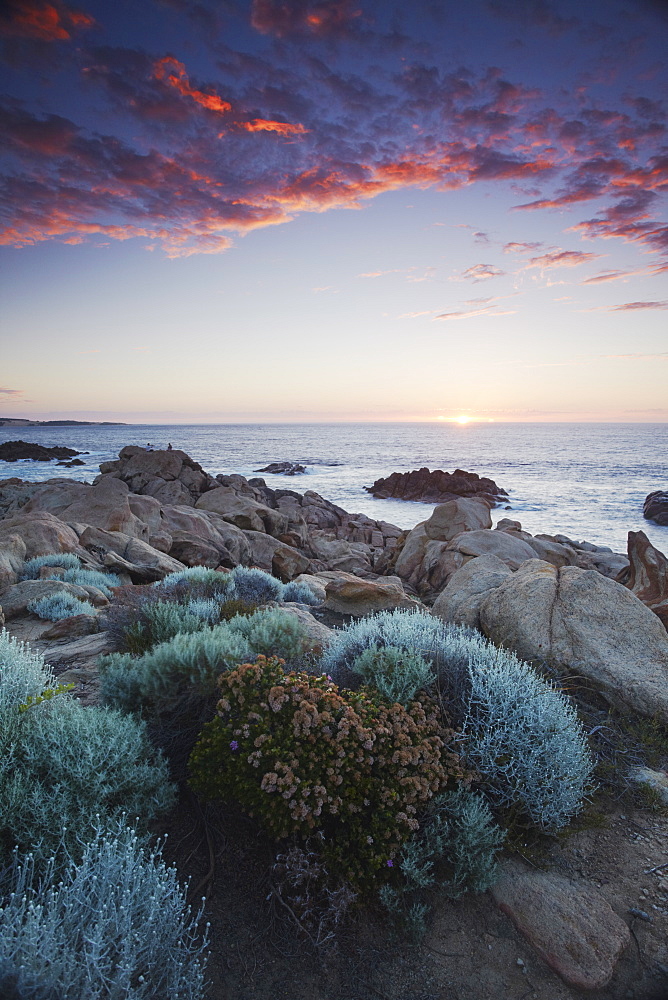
{"x":305,"y":123}
{"x":291,"y":17}
{"x":42,"y":20}
{"x":533,"y":13}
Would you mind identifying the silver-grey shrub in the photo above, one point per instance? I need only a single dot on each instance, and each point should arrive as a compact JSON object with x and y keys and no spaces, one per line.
{"x":255,"y":586}
{"x":524,"y":736}
{"x":442,"y":645}
{"x":66,"y":560}
{"x":92,"y":578}
{"x":115,"y":926}
{"x":300,"y":593}
{"x":273,"y":632}
{"x":520,"y":733}
{"x":54,"y":607}
{"x":178,"y":674}
{"x":67,"y":763}
{"x":165,"y":619}
{"x":398,"y":674}
{"x":23,"y":675}
{"x":454,"y":851}
{"x":206,"y":582}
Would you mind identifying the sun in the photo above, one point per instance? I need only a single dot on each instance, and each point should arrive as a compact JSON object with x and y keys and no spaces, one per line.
{"x":462,"y":420}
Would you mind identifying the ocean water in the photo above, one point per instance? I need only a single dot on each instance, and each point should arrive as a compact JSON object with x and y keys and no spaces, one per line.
{"x":587,"y":481}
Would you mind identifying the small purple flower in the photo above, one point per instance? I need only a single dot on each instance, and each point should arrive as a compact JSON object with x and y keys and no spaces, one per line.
{"x":329,"y":677}
{"x":390,"y":863}
{"x":234,"y":745}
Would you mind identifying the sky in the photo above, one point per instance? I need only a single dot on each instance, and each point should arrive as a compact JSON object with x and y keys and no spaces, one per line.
{"x":297,"y":210}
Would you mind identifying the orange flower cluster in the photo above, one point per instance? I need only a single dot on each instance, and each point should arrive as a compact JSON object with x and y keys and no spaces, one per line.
{"x":309,"y":758}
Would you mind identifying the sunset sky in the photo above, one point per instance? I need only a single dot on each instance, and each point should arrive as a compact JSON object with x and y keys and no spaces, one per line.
{"x":352,"y":210}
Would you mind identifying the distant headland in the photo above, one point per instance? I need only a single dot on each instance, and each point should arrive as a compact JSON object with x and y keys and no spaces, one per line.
{"x":25,"y":422}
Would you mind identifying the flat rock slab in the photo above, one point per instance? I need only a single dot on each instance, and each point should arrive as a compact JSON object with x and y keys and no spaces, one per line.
{"x":573,"y":929}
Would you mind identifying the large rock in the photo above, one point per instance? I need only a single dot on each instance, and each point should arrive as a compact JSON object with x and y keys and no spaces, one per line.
{"x":424,"y":561}
{"x":647,"y":575}
{"x":275,"y":557}
{"x":12,"y":555}
{"x":149,"y":510}
{"x":107,"y":506}
{"x":512,"y":551}
{"x":186,"y":524}
{"x":437,"y":486}
{"x":41,"y":532}
{"x":572,"y":927}
{"x":17,"y":597}
{"x":581,"y":621}
{"x":337,"y":553}
{"x":55,"y":495}
{"x":244,"y":512}
{"x":451,"y":519}
{"x":655,"y":507}
{"x":350,"y":595}
{"x":117,"y":551}
{"x":467,"y":588}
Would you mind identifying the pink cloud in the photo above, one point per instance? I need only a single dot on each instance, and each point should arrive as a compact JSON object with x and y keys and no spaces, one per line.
{"x":632,"y":306}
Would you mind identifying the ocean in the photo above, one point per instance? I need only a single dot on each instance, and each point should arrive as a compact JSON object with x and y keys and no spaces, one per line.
{"x":587,"y":481}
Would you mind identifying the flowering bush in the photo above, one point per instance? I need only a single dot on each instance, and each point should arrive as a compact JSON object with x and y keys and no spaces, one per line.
{"x":305,"y":758}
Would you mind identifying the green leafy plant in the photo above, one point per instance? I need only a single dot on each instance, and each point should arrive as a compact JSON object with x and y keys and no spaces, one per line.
{"x":303,"y":757}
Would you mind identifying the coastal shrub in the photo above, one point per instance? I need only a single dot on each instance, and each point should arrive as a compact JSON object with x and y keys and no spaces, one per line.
{"x":195,"y":581}
{"x":23,"y":676}
{"x":205,"y":608}
{"x":57,"y":606}
{"x":31,"y":567}
{"x":274,"y":632}
{"x":444,"y":646}
{"x":65,"y":765}
{"x":178,"y":675}
{"x":398,"y":674}
{"x":524,"y":736}
{"x":92,"y":578}
{"x":114,"y":926}
{"x":303,"y":757}
{"x":159,"y":622}
{"x":521,"y":735}
{"x":454,"y":851}
{"x":255,"y":585}
{"x":300,"y":593}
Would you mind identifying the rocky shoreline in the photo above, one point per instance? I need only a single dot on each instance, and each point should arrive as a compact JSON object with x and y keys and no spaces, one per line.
{"x":572,"y":605}
{"x":584,"y":614}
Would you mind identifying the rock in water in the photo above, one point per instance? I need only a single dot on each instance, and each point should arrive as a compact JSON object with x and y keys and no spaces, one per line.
{"x":283,"y":468}
{"x":437,"y":486}
{"x":655,"y":507}
{"x":12,"y":451}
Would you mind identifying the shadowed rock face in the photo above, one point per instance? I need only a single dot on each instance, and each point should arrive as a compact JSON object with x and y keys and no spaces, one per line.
{"x":437,"y":486}
{"x":647,"y":574}
{"x":655,"y":507}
